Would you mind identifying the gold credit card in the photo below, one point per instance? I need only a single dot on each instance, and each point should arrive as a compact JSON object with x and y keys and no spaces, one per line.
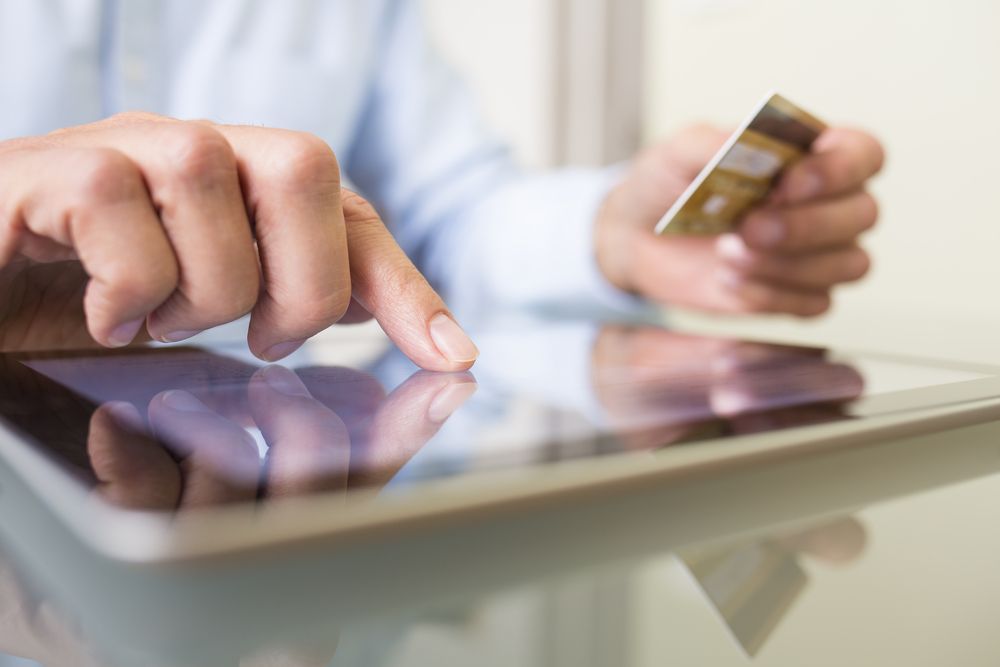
{"x":744,"y":170}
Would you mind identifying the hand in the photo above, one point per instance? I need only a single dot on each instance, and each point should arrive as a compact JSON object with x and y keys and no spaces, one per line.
{"x":144,"y":224}
{"x":787,"y":254}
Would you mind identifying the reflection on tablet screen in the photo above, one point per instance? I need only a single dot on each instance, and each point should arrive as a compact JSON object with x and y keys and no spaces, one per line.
{"x":183,"y":427}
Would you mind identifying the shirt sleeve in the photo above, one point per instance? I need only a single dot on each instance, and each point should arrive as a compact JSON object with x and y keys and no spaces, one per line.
{"x":485,"y":233}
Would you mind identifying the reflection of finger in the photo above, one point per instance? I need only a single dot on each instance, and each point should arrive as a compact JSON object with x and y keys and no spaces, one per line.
{"x":219,"y":460}
{"x":785,"y":385}
{"x":350,"y":394}
{"x":745,"y":355}
{"x":838,"y":542}
{"x":653,"y":382}
{"x":648,"y":353}
{"x":132,"y":469}
{"x":309,"y":447}
{"x":408,"y":418}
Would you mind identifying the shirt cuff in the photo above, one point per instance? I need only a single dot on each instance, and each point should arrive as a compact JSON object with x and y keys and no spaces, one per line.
{"x":530,"y":244}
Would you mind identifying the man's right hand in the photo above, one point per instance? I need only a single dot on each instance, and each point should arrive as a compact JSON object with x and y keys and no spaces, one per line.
{"x":180,"y":226}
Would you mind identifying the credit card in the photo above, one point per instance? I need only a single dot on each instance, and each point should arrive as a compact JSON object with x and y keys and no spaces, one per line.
{"x":744,"y":170}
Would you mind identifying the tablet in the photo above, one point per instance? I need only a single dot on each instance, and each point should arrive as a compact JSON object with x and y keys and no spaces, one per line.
{"x":167,"y":453}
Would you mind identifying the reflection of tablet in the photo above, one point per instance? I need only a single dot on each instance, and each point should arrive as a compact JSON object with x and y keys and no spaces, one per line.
{"x":561,"y":413}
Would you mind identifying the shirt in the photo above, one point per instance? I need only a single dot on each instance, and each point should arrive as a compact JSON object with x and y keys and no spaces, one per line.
{"x":358,"y":73}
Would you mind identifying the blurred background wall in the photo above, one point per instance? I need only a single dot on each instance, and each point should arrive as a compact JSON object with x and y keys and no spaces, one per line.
{"x":920,"y":74}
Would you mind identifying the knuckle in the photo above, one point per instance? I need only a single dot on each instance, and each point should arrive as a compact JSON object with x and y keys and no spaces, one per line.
{"x":105,"y":176}
{"x":157,"y":282}
{"x":239,"y":300}
{"x":228,"y":302}
{"x":317,"y":313}
{"x":132,"y":118}
{"x":299,"y":159}
{"x":124,"y":285}
{"x":199,"y":153}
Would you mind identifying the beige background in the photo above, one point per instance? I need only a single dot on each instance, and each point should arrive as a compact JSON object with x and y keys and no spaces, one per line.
{"x":922,"y":75}
{"x":504,"y":49}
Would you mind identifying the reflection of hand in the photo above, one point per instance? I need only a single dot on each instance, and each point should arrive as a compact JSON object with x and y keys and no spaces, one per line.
{"x":327,"y":430}
{"x":319,"y":436}
{"x":787,"y":255}
{"x":658,"y":385}
{"x":141,"y":223}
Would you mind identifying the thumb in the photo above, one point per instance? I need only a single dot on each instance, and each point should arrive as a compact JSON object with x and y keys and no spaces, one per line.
{"x":662,"y":172}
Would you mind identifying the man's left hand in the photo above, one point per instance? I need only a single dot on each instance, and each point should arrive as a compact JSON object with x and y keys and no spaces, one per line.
{"x":787,"y":254}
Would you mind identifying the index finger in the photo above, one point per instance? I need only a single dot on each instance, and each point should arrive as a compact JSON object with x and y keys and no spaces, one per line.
{"x":388,"y":286}
{"x":842,"y":159}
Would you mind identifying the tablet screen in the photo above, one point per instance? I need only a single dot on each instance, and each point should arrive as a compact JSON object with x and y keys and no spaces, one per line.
{"x":182,"y":427}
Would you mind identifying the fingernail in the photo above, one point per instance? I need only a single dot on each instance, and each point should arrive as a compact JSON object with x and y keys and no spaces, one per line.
{"x":731,"y":247}
{"x":125,"y":415}
{"x":281,"y":350}
{"x":178,"y":336}
{"x":764,"y":230}
{"x":803,"y":185}
{"x":284,"y":381}
{"x":183,"y":402}
{"x":453,"y":343}
{"x":450,"y":399}
{"x":125,"y":333}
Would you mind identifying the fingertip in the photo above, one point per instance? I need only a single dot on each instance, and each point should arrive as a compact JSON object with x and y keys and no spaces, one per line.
{"x":449,"y":399}
{"x":453,"y":344}
{"x":124,"y":333}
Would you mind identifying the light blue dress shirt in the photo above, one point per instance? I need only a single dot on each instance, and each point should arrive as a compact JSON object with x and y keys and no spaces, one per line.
{"x":358,"y":73}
